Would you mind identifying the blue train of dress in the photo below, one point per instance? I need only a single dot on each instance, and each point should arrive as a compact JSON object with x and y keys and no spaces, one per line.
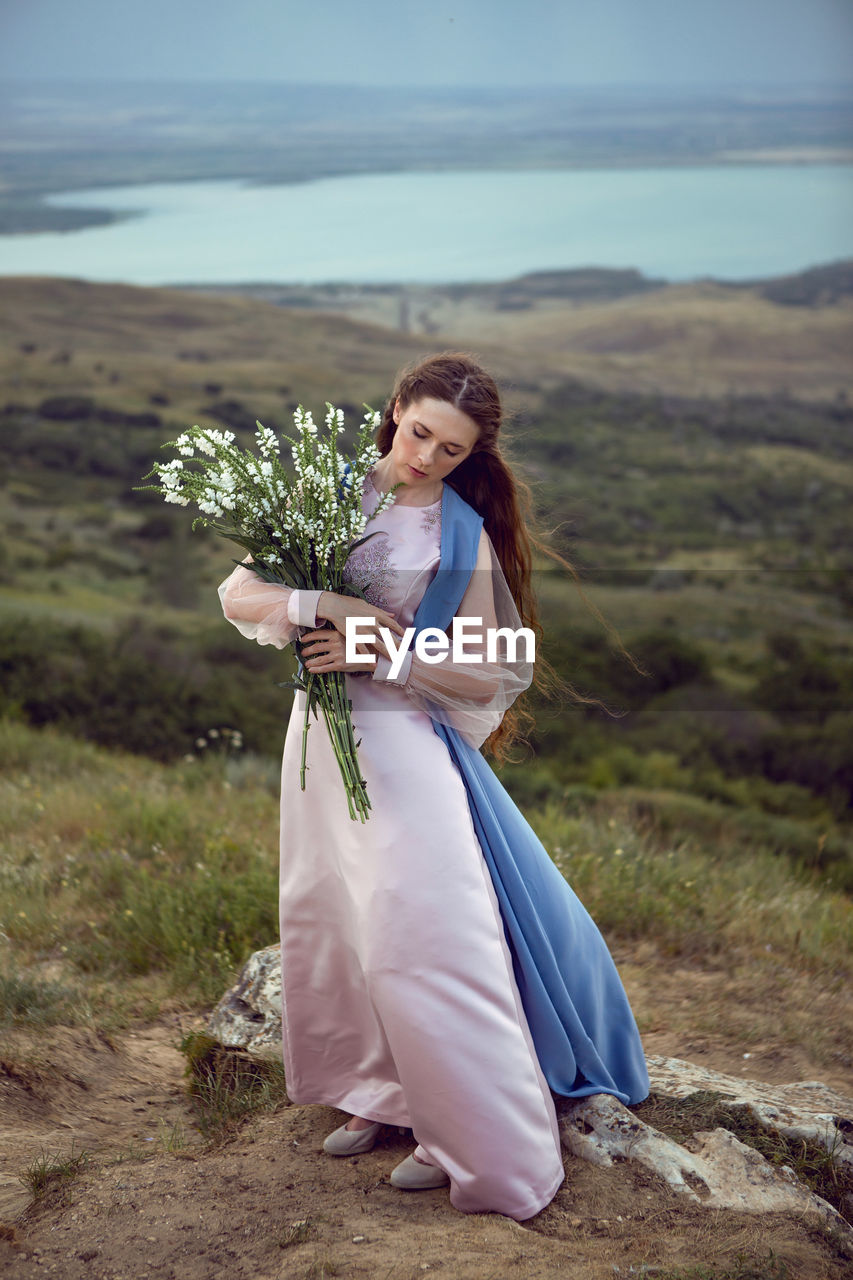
{"x":583,"y":1029}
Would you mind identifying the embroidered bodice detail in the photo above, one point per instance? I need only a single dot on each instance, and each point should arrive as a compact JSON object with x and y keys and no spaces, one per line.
{"x":369,"y":569}
{"x":401,"y":554}
{"x":432,"y":518}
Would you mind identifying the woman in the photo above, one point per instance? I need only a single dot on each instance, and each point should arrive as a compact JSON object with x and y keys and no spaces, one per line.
{"x":438,"y":973}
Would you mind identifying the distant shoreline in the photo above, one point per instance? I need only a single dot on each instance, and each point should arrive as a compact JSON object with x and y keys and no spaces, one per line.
{"x":826,"y":283}
{"x":678,"y":223}
{"x":67,"y":136}
{"x":23,"y":212}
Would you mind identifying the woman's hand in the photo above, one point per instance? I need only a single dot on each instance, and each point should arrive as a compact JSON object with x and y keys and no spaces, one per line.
{"x":325,"y":650}
{"x":337,"y":608}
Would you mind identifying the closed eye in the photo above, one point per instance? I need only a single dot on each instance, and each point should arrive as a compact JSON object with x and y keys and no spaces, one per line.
{"x":422,"y":435}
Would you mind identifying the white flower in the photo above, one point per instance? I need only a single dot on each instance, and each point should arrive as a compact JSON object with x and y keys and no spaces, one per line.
{"x":268,"y":441}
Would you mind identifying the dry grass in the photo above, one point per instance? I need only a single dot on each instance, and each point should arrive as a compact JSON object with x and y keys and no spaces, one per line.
{"x":698,"y":339}
{"x":694,"y":339}
{"x":135,"y":883}
{"x":50,"y":1172}
{"x":179,"y":342}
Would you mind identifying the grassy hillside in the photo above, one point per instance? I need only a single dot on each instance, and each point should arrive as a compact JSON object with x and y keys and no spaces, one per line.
{"x":125,"y":883}
{"x":713,"y":533}
{"x":131,"y":891}
{"x":618,"y":330}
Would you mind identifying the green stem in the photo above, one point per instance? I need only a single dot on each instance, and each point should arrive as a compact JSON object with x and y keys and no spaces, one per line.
{"x":306,"y":724}
{"x":330,"y":692}
{"x":346,"y":739}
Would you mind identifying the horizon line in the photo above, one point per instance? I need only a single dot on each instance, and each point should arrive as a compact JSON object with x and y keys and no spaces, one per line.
{"x":690,"y":88}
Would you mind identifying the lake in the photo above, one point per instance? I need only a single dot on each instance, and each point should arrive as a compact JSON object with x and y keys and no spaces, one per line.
{"x":734,"y":221}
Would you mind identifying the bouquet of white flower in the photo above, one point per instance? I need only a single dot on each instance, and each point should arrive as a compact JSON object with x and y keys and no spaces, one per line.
{"x":299,"y":531}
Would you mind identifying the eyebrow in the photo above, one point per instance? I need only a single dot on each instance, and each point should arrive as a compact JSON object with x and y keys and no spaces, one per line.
{"x":449,"y":444}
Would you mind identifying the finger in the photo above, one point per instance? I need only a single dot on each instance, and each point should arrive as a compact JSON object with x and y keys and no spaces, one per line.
{"x":318,"y":664}
{"x":319,"y":649}
{"x":382,"y":649}
{"x":315,"y":651}
{"x":386,"y":620}
{"x":379,"y":617}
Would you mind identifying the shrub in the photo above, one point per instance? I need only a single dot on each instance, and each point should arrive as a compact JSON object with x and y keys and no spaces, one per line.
{"x":142,"y":688}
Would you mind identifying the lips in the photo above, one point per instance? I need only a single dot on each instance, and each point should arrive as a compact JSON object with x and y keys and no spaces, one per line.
{"x":420,"y":474}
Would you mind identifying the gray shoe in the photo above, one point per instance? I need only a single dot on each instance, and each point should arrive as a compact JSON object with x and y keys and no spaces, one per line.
{"x":349,"y":1142}
{"x":412,"y":1175}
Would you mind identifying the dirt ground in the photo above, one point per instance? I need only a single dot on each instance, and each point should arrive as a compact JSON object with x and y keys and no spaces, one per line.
{"x":154,"y":1202}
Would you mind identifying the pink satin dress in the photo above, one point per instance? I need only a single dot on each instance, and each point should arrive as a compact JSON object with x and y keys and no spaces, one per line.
{"x":399,"y":1000}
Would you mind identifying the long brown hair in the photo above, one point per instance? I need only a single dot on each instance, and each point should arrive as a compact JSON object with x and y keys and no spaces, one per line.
{"x":486,"y":482}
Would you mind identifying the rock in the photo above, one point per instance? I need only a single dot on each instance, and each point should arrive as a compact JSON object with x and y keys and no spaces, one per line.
{"x":807,"y":1111}
{"x":714,"y":1168}
{"x":249,"y":1015}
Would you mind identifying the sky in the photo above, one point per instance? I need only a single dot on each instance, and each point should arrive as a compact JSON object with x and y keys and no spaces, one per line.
{"x":670,"y":43}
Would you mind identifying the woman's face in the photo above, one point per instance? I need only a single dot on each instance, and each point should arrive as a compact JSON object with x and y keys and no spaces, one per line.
{"x":432,"y":438}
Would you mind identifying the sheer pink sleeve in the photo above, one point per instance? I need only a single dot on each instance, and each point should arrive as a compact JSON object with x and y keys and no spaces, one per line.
{"x":472,"y":695}
{"x":265,"y":611}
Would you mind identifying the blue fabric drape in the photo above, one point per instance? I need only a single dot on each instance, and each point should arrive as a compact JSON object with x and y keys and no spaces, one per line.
{"x":583,"y":1029}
